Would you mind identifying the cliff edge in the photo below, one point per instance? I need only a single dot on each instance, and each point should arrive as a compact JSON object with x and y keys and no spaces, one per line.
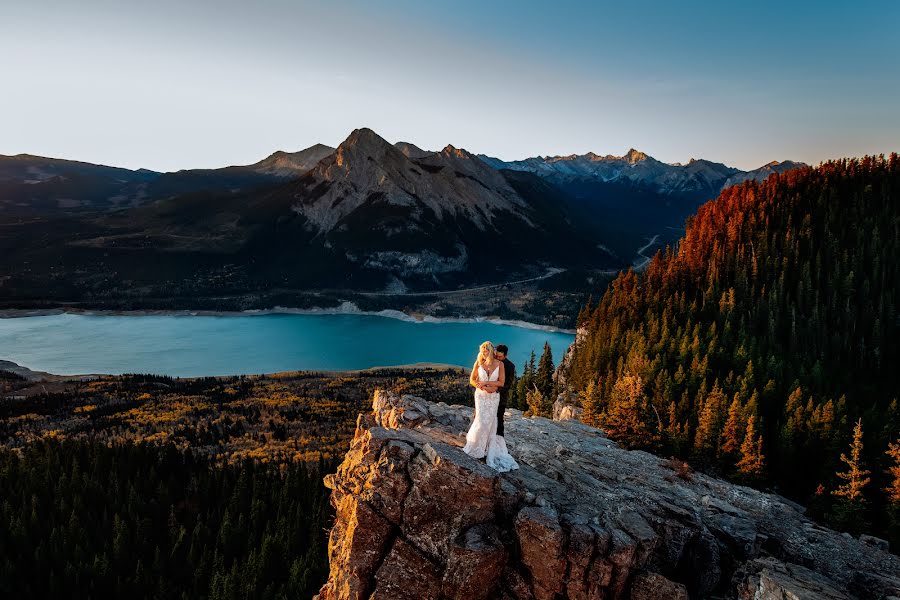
{"x":582,"y":518}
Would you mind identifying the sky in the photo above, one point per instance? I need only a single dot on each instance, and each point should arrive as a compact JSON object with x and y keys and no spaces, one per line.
{"x":169,"y":85}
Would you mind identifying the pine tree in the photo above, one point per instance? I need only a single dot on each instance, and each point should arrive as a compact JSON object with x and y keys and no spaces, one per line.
{"x":624,"y":417}
{"x":752,"y":461}
{"x":676,"y":432}
{"x":544,"y":375}
{"x":709,"y":423}
{"x":537,"y":404}
{"x":731,"y":433}
{"x":849,"y":511}
{"x":590,"y":405}
{"x":855,"y":476}
{"x":524,"y":383}
{"x":893,"y":490}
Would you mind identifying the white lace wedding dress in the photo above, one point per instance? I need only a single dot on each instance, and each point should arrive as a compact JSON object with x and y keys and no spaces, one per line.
{"x":482,"y":439}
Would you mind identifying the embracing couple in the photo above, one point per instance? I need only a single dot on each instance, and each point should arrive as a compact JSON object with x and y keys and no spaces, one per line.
{"x":492,"y":376}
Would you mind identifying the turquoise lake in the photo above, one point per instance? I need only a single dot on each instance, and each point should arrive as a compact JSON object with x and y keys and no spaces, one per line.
{"x":197,"y":345}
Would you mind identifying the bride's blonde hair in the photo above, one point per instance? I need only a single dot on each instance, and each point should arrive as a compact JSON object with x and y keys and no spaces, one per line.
{"x":485,"y":350}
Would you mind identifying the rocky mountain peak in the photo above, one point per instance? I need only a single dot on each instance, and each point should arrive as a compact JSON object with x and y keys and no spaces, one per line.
{"x":363,"y":144}
{"x":411,"y":150}
{"x":633,"y":156}
{"x":456,"y":156}
{"x":367,"y":175}
{"x":582,"y":518}
{"x":365,"y":140}
{"x":286,"y":164}
{"x":451,"y":150}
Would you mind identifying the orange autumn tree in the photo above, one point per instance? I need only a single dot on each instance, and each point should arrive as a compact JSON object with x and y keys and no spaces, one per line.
{"x":849,"y":512}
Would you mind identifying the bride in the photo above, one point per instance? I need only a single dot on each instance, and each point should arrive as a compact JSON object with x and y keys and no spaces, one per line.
{"x":482,"y":439}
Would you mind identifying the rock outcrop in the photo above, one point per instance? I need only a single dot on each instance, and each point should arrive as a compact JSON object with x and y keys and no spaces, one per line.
{"x":582,"y":518}
{"x":566,"y":407}
{"x":561,"y":374}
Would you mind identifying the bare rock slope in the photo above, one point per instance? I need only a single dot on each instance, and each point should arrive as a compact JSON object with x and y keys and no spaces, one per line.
{"x":582,"y":518}
{"x":366,"y":169}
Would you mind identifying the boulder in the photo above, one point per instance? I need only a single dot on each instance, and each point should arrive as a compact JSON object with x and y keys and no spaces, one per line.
{"x":566,"y":407}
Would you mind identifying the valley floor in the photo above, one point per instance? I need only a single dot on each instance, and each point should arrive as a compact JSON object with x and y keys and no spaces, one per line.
{"x":550,"y":300}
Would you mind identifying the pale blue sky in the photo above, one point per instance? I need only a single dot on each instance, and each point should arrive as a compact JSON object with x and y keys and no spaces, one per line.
{"x":168,"y":85}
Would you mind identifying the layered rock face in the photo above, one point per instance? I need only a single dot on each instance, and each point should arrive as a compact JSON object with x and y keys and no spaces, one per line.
{"x":582,"y":518}
{"x":367,"y":171}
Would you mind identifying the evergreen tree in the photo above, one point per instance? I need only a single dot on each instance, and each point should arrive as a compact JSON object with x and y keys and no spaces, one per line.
{"x":544,"y":375}
{"x":893,"y":489}
{"x":752,"y":461}
{"x":855,"y":476}
{"x":849,"y":511}
{"x":625,"y":415}
{"x":732,"y":437}
{"x":710,"y":422}
{"x":590,"y":405}
{"x":538,"y":404}
{"x":525,"y":383}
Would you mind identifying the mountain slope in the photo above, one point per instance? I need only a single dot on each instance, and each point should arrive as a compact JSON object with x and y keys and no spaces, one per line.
{"x":754,"y":347}
{"x":441,"y":218}
{"x":411,"y":150}
{"x":764,"y":171}
{"x":292,"y":164}
{"x":35,"y":185}
{"x":365,"y":169}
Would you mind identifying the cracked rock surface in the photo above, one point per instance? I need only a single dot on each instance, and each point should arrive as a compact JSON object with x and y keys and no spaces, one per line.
{"x":417,"y":518}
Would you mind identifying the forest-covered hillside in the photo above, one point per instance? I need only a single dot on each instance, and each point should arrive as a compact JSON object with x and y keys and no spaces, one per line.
{"x":145,"y":486}
{"x":765,"y":346}
{"x":80,"y":519}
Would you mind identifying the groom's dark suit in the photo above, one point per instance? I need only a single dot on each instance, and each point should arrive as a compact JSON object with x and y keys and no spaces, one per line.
{"x":509,"y":370}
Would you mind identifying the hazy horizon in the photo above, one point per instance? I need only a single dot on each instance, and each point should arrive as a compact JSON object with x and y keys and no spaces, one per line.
{"x":210,"y":84}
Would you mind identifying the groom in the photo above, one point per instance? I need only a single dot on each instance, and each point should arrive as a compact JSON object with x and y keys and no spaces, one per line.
{"x":510,"y":370}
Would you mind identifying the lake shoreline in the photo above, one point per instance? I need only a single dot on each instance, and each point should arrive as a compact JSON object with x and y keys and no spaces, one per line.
{"x":35,"y":376}
{"x":345,"y":308}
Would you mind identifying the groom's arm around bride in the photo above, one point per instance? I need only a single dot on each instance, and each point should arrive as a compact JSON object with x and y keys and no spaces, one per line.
{"x":510,"y":370}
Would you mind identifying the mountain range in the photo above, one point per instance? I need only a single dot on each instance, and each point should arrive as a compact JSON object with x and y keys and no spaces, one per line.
{"x":39,"y":183}
{"x":637,"y":168}
{"x":368,"y":215}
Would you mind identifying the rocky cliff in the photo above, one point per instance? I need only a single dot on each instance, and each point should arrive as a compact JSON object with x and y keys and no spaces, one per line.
{"x":582,"y":518}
